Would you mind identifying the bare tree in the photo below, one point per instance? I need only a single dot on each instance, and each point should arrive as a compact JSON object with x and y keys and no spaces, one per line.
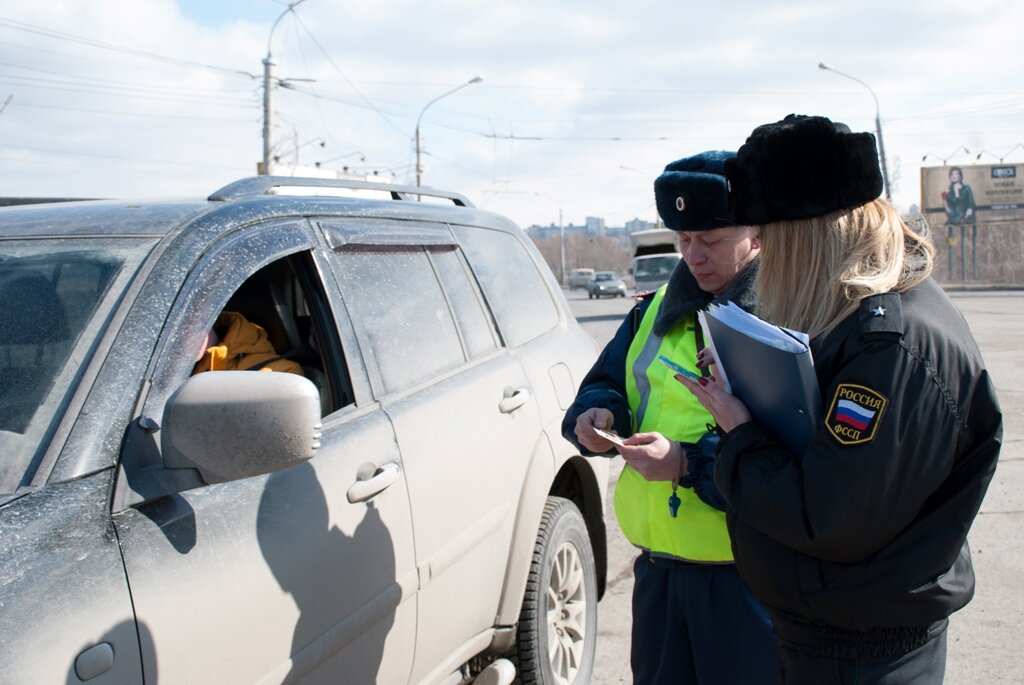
{"x":600,"y":254}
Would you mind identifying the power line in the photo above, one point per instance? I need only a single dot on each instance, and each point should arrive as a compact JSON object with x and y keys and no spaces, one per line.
{"x":147,"y":115}
{"x":113,"y":157}
{"x":80,"y":89}
{"x":219,"y":92}
{"x":125,"y":91}
{"x":81,"y":40}
{"x":352,"y":85}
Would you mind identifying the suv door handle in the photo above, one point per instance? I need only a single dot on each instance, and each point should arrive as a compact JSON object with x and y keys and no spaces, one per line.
{"x":513,"y":399}
{"x":381,"y":480}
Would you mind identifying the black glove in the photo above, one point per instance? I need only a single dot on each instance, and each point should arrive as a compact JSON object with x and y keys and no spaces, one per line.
{"x":700,"y":468}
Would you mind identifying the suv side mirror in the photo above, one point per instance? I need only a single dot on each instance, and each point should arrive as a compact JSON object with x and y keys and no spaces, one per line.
{"x":237,"y":424}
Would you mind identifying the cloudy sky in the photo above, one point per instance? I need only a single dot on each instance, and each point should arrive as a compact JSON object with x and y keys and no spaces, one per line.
{"x":580,"y":106}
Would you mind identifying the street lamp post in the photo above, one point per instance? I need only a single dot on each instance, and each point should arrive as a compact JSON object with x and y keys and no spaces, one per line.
{"x":878,"y":125}
{"x":419,"y":158}
{"x":561,"y":243}
{"x":561,"y":237}
{"x":268,"y":80}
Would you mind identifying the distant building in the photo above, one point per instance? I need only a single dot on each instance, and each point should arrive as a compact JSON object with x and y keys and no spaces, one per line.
{"x":595,"y":227}
{"x":638,"y":225}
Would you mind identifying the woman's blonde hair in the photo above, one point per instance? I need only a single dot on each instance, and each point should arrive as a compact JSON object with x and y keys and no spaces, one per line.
{"x":814,"y":272}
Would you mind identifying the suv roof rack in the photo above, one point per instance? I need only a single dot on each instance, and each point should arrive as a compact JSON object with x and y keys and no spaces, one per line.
{"x":256,"y":186}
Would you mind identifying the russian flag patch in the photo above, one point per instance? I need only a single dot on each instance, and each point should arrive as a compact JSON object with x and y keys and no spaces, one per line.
{"x":855,"y":414}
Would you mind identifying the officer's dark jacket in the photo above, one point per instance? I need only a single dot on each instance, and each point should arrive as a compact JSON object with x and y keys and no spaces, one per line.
{"x":604,"y":386}
{"x":859,"y":546}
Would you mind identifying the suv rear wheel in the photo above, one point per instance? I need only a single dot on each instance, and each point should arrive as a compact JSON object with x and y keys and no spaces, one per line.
{"x":557,"y":631}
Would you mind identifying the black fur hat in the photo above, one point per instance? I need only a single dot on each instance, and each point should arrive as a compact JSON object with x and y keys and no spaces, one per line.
{"x":801,"y":167}
{"x":692,"y":194}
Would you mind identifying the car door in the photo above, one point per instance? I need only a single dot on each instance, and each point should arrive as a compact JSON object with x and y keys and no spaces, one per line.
{"x":464,"y":416}
{"x":280,"y":577}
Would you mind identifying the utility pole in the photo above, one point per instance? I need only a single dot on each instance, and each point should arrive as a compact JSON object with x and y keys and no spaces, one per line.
{"x":268,"y":88}
{"x":268,"y":110}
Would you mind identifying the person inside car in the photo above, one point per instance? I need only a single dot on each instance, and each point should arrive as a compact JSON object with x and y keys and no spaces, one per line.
{"x":236,"y":344}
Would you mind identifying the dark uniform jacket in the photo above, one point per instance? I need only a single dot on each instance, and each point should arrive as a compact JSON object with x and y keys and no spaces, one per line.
{"x":859,"y":546}
{"x":605,"y":384}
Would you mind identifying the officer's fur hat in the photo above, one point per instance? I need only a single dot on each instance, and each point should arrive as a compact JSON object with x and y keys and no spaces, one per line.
{"x":692,"y":194}
{"x":801,"y":167}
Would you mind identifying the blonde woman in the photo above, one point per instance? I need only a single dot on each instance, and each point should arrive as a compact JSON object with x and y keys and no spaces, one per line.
{"x":858,"y":546}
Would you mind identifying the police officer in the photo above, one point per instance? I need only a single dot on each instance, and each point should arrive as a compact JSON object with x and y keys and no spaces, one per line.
{"x":858,"y":546}
{"x":693,"y":619}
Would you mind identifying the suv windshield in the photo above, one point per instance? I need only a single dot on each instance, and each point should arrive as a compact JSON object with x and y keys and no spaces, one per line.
{"x":656,"y":266}
{"x":51,"y":291}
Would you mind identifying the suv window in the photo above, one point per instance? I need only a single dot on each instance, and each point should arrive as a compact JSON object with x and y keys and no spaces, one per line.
{"x":267,"y":275}
{"x":400,"y":311}
{"x":478,"y":334}
{"x":51,"y":293}
{"x":514,"y":287}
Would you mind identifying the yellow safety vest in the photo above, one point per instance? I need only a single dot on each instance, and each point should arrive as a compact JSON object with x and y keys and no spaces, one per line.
{"x":660,"y":403}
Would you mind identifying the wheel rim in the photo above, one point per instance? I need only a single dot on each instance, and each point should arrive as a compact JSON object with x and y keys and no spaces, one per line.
{"x":567,"y":614}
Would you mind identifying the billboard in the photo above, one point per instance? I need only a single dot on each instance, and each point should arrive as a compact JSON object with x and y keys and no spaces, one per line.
{"x":972,"y":194}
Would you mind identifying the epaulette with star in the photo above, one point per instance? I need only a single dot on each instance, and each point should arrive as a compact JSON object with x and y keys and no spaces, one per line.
{"x":881,"y":314}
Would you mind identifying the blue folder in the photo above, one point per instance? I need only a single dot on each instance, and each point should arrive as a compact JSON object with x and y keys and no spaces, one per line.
{"x":770,"y":369}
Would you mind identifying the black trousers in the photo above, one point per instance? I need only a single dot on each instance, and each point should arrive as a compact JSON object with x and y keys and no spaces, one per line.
{"x":926,"y":665}
{"x":697,"y":624}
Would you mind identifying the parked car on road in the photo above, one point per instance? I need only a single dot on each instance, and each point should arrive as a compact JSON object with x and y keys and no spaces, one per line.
{"x":578,"y":278}
{"x":399,"y":508}
{"x":606,"y":283}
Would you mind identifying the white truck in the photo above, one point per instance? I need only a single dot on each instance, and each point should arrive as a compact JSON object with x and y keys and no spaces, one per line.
{"x":653,"y":255}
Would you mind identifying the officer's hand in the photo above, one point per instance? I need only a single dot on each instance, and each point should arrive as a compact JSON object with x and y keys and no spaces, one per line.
{"x":585,"y":424}
{"x":727,"y":410}
{"x":654,"y":456}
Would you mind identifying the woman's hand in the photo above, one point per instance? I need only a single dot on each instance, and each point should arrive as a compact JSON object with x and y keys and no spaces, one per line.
{"x":654,"y":456}
{"x":585,"y":424}
{"x":727,"y":410}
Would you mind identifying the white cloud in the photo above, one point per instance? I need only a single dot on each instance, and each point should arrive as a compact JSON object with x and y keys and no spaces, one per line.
{"x":571,"y":92}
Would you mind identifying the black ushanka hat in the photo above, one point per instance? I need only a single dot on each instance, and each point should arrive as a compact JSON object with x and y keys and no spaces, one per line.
{"x":692,"y":193}
{"x":801,"y":167}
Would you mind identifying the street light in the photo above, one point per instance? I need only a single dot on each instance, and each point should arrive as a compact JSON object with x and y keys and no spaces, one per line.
{"x":419,"y":163}
{"x":362,"y":158}
{"x":986,"y":152}
{"x":561,"y":237}
{"x":268,"y":79}
{"x":878,"y":125}
{"x":947,"y":157}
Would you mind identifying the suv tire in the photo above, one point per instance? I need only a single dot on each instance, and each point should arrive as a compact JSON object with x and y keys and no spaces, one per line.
{"x":561,"y":595}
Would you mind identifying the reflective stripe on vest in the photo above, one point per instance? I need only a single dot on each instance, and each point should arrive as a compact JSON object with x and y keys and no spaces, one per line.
{"x":660,"y":403}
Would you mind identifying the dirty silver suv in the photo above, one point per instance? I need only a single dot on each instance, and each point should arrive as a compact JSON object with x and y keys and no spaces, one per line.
{"x":392,"y":504}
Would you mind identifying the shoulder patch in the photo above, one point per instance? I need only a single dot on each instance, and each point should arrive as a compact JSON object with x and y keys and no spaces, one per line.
{"x":855,"y":414}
